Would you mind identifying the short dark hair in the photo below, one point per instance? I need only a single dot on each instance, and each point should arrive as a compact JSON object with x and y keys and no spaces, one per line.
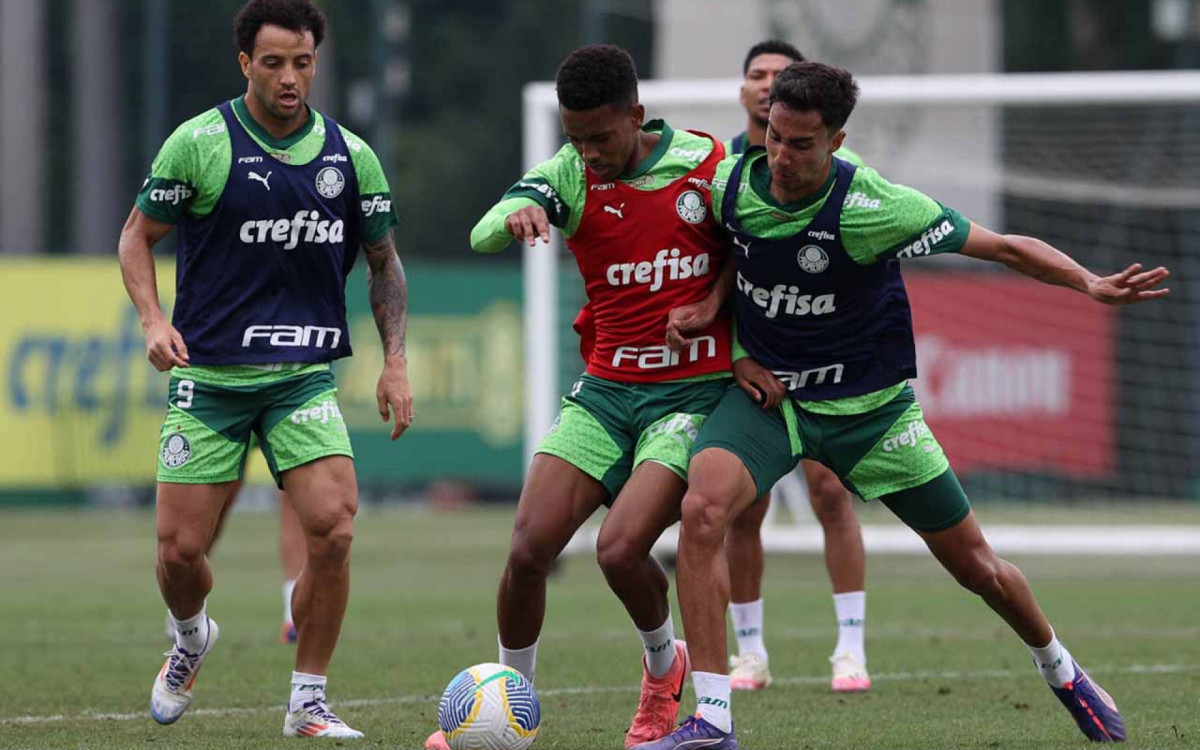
{"x":771,"y":47}
{"x":813,"y":86}
{"x":595,"y":76}
{"x":294,"y":15}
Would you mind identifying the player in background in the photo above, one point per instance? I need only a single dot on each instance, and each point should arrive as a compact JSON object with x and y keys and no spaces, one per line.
{"x":272,"y":200}
{"x":825,"y":323}
{"x":632,"y":199}
{"x":291,"y":557}
{"x":831,"y":502}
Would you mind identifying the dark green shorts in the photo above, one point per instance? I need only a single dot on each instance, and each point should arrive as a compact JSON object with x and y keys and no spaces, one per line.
{"x":884,"y":453}
{"x":208,"y":428}
{"x":607,"y":429}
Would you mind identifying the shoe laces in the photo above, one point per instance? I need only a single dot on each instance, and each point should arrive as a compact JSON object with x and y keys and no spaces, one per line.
{"x":180,"y":667}
{"x":318,"y":707}
{"x":690,"y":728}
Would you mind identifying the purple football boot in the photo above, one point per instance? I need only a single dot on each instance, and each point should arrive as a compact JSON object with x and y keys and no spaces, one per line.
{"x":1092,"y":708}
{"x":693,"y":734}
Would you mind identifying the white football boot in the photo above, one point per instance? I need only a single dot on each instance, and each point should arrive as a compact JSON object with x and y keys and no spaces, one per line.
{"x":315,"y":719}
{"x":172,"y":691}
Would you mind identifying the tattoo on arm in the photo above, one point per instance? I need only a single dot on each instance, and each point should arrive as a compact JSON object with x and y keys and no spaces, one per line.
{"x":388,"y":292}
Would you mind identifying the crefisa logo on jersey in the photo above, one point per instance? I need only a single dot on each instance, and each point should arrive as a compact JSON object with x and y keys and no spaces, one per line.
{"x":330,"y":182}
{"x":812,"y":259}
{"x":176,"y":451}
{"x":690,"y":206}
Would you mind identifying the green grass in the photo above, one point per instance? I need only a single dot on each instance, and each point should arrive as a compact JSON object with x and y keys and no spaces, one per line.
{"x":81,"y":628}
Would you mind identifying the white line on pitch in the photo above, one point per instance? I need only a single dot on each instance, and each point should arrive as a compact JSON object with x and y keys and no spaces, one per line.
{"x":408,"y":699}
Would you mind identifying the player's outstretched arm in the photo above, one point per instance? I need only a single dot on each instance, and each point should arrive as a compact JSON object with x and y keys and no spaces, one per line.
{"x":1038,"y":260}
{"x":519,"y":219}
{"x":164,"y":346}
{"x":387,"y":290}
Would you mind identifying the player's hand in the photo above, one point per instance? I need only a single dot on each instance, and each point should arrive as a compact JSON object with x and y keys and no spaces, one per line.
{"x":759,"y":382}
{"x":528,"y":225}
{"x":164,"y":346}
{"x":687,"y":319}
{"x":394,"y":393}
{"x":1129,"y":286}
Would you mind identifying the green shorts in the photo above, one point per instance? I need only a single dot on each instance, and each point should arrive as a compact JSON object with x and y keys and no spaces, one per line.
{"x":210,"y":421}
{"x":607,"y":429}
{"x":883,"y":453}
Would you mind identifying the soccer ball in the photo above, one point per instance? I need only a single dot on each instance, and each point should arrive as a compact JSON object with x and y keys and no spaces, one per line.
{"x":489,"y":707}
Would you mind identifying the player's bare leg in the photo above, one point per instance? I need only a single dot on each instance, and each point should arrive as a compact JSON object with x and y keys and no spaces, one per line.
{"x":648,"y":503}
{"x":324,"y":493}
{"x":748,"y":670}
{"x":555,"y":501}
{"x":186,"y":520}
{"x":965,"y":553}
{"x":719,"y":489}
{"x":292,"y":551}
{"x":845,"y":560}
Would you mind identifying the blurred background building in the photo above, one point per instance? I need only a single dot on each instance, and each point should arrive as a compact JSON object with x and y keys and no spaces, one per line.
{"x":89,"y":89}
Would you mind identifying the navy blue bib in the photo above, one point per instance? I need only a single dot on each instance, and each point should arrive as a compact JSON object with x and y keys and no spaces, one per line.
{"x":262,"y":278}
{"x":826,"y":326}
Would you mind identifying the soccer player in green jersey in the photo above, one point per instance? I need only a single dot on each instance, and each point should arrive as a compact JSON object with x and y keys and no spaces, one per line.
{"x":271,"y":200}
{"x":824,"y":320}
{"x":831,"y":503}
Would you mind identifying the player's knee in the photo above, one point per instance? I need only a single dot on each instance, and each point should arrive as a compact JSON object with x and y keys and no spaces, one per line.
{"x":180,"y":553}
{"x":980,"y":575}
{"x":618,"y":558}
{"x":705,"y":518}
{"x":330,"y":535}
{"x":527,"y":561}
{"x":831,"y":503}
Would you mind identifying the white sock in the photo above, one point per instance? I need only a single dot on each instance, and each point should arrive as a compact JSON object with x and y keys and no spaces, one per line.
{"x":712,"y":699}
{"x":289,"y":586}
{"x":524,"y":660}
{"x":305,"y":687}
{"x":191,"y":634}
{"x":1054,"y":662}
{"x":851,"y":609}
{"x":748,"y":627}
{"x":660,"y":647}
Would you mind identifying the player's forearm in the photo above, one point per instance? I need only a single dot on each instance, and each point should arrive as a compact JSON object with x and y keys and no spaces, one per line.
{"x":490,"y":235}
{"x":1039,"y":260}
{"x":137,"y":270}
{"x":387,"y":290}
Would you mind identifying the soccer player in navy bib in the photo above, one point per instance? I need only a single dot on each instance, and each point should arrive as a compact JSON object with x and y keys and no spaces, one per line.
{"x":827,"y":350}
{"x":272,"y":200}
{"x":831,"y":503}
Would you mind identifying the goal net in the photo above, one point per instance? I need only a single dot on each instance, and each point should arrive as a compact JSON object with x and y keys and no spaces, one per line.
{"x":1052,"y":409}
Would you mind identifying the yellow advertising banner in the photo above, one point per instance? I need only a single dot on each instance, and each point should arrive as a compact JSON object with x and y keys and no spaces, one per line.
{"x":81,"y":406}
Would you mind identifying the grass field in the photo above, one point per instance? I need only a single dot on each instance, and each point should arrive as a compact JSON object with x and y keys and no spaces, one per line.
{"x":81,"y":625}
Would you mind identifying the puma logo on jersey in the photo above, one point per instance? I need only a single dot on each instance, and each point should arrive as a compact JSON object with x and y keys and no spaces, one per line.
{"x":617,"y":210}
{"x":744,"y":246}
{"x":256,"y":176}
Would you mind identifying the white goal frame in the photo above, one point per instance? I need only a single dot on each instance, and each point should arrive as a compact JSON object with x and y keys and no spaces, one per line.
{"x":542,"y":139}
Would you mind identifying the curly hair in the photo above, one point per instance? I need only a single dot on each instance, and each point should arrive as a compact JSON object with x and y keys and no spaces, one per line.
{"x":595,"y":76}
{"x":294,"y":15}
{"x":771,"y":47}
{"x":813,"y":86}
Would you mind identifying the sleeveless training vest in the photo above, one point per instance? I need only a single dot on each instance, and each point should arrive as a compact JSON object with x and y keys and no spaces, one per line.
{"x":262,"y":279}
{"x":827,"y":326}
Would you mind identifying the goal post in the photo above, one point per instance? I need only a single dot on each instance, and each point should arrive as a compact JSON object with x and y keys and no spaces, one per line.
{"x":1105,"y":166}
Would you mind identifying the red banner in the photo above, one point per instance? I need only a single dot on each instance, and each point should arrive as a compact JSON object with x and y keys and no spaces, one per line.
{"x":1014,"y":374}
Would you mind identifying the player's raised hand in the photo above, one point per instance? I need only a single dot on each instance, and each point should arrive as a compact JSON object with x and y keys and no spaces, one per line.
{"x":687,"y":319}
{"x":1129,"y":286}
{"x":164,"y":346}
{"x":759,"y":382}
{"x":395,"y":394}
{"x":528,"y":225}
